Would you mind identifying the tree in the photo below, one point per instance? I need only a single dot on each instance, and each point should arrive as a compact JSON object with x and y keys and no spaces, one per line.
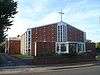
{"x":98,"y":48}
{"x":8,"y":8}
{"x":98,"y":45}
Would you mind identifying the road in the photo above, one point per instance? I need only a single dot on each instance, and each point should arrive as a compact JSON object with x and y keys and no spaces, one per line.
{"x":93,"y":70}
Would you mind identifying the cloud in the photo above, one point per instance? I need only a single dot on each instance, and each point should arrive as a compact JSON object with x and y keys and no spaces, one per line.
{"x":82,"y":14}
{"x":52,"y":17}
{"x":38,"y":6}
{"x":27,"y":12}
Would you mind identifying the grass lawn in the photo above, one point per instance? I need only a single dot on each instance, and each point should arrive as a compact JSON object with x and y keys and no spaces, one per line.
{"x":98,"y":57}
{"x":23,"y":56}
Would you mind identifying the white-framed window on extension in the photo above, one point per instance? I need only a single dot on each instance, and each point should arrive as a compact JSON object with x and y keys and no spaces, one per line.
{"x":61,"y":47}
{"x":81,"y":47}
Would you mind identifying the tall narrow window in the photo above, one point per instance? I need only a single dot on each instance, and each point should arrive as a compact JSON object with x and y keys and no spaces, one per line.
{"x":61,"y":35}
{"x":62,"y":32}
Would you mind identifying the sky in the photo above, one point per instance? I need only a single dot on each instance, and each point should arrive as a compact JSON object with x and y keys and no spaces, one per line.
{"x":82,"y":14}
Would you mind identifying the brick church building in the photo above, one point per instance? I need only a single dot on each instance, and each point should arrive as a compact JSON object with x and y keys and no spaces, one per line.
{"x":57,"y":38}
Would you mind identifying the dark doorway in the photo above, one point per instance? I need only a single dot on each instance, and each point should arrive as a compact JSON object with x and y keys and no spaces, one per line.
{"x":63,"y":47}
{"x":72,"y":48}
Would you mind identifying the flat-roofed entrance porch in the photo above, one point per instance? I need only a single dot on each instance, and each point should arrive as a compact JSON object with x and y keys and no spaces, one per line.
{"x":69,"y":47}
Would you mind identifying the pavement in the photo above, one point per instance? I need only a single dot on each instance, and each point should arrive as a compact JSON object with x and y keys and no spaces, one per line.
{"x":19,"y":69}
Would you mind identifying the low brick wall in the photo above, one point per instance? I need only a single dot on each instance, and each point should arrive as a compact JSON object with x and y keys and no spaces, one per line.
{"x":62,"y":59}
{"x":90,"y":47}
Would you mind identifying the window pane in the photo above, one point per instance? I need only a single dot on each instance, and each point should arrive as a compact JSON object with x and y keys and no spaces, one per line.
{"x":63,"y":47}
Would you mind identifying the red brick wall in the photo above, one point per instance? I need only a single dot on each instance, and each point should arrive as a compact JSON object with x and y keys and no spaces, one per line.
{"x":44,"y":48}
{"x":74,"y":34}
{"x":33,"y":49}
{"x":46,"y":33}
{"x":14,"y":47}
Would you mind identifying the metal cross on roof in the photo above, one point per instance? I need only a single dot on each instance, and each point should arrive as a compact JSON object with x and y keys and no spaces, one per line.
{"x":61,"y":14}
